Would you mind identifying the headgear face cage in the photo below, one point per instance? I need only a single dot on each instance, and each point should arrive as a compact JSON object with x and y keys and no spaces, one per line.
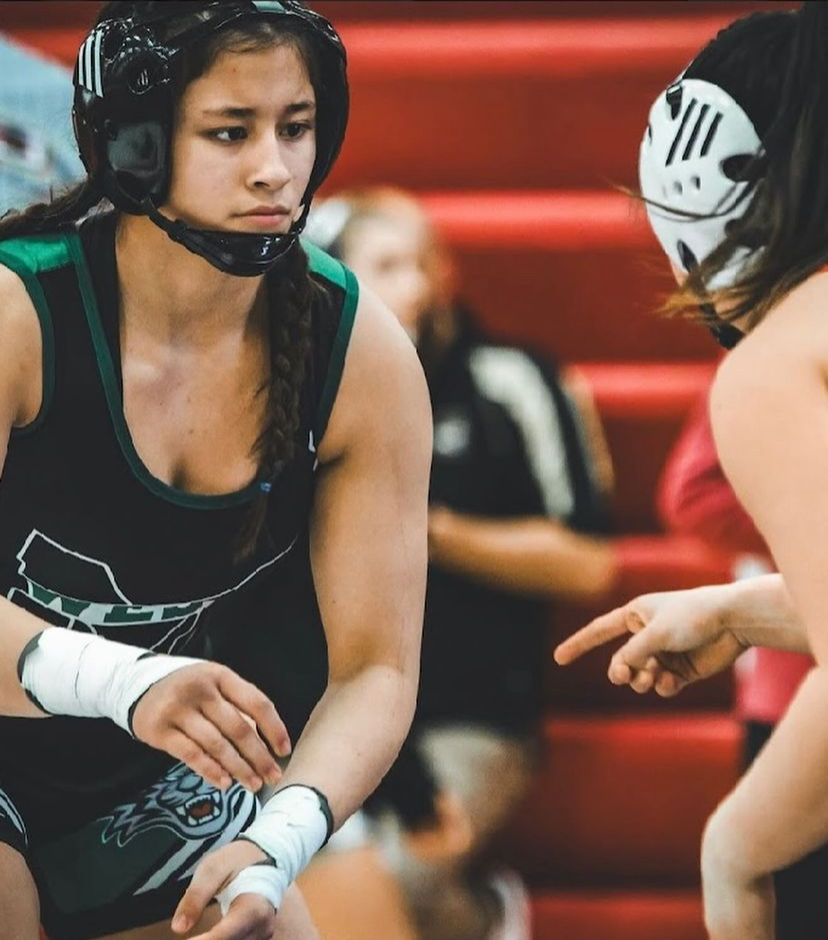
{"x":696,"y":147}
{"x":124,"y":106}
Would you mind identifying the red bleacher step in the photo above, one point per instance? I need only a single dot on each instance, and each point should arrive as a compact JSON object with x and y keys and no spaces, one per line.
{"x":576,"y":273}
{"x":530,"y":103}
{"x":78,"y":12}
{"x":622,"y":801}
{"x":538,"y":103}
{"x":617,"y":915}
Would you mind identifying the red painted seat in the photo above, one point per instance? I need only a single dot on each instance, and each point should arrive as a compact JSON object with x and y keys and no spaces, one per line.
{"x":622,"y":801}
{"x":616,"y":915}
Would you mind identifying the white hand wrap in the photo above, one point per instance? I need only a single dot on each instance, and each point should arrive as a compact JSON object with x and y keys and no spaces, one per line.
{"x":86,"y":676}
{"x":291,"y":828}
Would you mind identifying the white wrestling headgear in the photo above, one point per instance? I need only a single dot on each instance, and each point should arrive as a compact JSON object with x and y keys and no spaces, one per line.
{"x":697,"y":142}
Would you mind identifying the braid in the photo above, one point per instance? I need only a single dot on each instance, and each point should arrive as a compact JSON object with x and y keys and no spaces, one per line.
{"x":50,"y":216}
{"x":290,"y":343}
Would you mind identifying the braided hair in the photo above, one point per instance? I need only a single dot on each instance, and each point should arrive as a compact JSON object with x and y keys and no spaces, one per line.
{"x":290,"y":346}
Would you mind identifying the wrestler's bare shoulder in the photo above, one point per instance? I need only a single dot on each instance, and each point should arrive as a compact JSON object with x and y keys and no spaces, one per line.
{"x":21,"y":344}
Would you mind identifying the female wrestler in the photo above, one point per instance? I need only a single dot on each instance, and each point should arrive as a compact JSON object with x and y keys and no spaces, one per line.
{"x":733,"y":170}
{"x":182,"y":391}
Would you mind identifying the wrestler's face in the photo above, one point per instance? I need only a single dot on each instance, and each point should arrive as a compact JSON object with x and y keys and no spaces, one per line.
{"x":393,"y":256}
{"x":244,"y":143}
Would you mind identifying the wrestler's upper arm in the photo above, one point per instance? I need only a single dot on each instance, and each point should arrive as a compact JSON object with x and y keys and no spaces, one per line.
{"x":20,"y":357}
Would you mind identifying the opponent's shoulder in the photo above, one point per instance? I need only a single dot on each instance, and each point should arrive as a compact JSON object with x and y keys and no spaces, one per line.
{"x":796,"y":328}
{"x":383,"y":391}
{"x":20,"y":340}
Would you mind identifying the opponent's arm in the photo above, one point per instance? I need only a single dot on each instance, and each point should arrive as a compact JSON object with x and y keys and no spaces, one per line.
{"x":769,"y":410}
{"x":198,"y":712}
{"x":368,"y":544}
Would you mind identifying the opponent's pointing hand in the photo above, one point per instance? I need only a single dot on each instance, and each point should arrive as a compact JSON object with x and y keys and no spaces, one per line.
{"x":678,"y":638}
{"x":207,"y":716}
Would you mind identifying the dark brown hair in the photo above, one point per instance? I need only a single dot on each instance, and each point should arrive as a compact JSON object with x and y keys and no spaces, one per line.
{"x":292,"y":291}
{"x":775,"y":65}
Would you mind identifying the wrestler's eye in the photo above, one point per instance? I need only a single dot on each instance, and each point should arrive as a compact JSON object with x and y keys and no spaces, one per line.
{"x":296,"y":129}
{"x":228,"y":135}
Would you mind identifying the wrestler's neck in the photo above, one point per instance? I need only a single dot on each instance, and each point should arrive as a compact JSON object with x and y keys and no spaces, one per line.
{"x":176,"y":293}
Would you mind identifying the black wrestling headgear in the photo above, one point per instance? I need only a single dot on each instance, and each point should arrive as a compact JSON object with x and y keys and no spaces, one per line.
{"x":124,"y":103}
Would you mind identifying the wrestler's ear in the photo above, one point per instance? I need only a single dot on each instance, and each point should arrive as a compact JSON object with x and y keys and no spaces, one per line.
{"x":449,"y":837}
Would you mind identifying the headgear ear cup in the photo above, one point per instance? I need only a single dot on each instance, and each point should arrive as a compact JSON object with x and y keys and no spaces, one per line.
{"x":135,"y":155}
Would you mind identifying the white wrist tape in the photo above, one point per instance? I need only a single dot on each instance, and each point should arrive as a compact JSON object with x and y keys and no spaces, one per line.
{"x":291,"y":828}
{"x":86,"y":676}
{"x":265,"y":879}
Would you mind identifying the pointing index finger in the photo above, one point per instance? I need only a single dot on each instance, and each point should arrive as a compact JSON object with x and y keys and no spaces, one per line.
{"x":601,"y":630}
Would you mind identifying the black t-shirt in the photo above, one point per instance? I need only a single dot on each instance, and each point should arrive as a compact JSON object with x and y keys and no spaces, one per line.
{"x":90,"y":540}
{"x":507,"y":444}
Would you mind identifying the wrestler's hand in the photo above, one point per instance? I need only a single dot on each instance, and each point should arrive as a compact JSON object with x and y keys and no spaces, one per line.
{"x":678,"y":637}
{"x":249,"y":917}
{"x":221,"y":726}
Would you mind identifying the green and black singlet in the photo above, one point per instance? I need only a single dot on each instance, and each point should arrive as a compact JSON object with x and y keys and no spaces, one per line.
{"x":90,"y":540}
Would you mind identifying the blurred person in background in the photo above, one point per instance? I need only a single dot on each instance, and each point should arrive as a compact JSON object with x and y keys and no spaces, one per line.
{"x":520,"y":486}
{"x":38,"y":153}
{"x":694,"y":498}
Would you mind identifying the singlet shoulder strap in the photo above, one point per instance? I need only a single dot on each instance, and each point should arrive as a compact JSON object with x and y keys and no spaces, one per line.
{"x":35,"y":254}
{"x":30,"y":257}
{"x":329,"y":269}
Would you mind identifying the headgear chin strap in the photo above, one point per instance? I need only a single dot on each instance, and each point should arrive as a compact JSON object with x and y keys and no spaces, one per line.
{"x":238,"y":253}
{"x":696,"y":147}
{"x":726,"y":334}
{"x":124,"y":103}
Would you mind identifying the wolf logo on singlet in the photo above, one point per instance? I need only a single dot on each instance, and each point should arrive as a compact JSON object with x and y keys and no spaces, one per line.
{"x":180,"y":801}
{"x":141,"y":845}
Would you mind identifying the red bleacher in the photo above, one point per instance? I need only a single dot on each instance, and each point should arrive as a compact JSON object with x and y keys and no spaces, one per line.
{"x":518,"y":122}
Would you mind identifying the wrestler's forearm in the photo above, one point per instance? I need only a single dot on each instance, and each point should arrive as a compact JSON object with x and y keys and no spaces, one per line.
{"x":761,"y":613}
{"x":353,"y":737}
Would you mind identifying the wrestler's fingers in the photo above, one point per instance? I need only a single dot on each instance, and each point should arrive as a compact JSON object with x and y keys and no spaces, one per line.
{"x":240,"y":729}
{"x":221,"y":749}
{"x":250,"y":916}
{"x":243,"y":922}
{"x":253,"y":702}
{"x":178,"y":745}
{"x":209,"y":878}
{"x":601,"y":630}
